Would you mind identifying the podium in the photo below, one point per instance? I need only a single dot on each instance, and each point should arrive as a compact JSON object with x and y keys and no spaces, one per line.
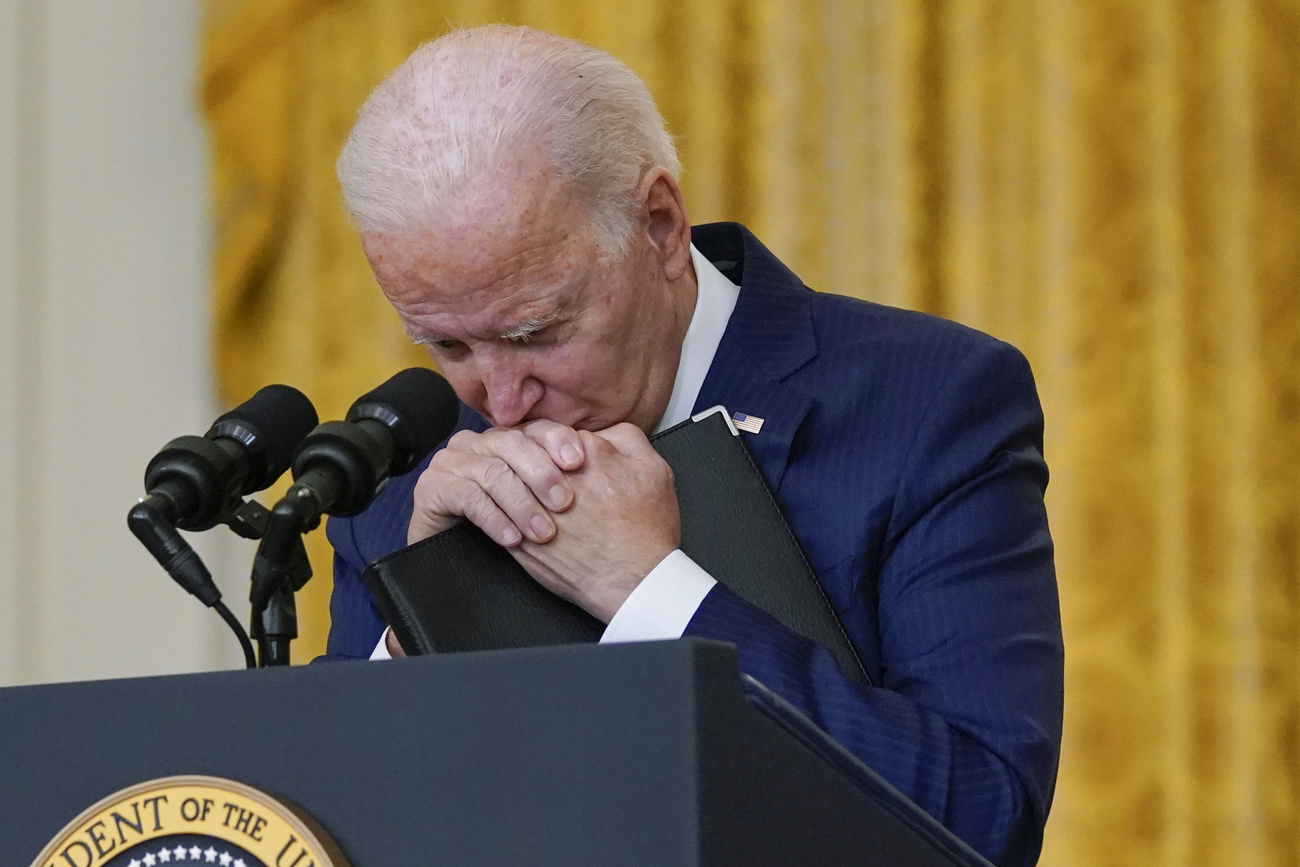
{"x":583,"y":756}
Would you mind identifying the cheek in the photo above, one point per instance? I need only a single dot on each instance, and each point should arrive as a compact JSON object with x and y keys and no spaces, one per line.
{"x":571,"y":374}
{"x":567,"y":368}
{"x":578,"y":371}
{"x":467,"y":385}
{"x":464,"y":376}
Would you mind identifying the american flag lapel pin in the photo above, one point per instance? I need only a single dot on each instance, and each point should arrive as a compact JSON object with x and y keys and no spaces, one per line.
{"x":748,"y":423}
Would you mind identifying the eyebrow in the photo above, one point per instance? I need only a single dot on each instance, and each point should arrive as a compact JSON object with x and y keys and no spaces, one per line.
{"x":420,"y":340}
{"x":517,"y":333}
{"x":528,"y":327}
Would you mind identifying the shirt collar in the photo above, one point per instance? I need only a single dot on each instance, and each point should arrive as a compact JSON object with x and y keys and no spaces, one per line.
{"x":715,"y":299}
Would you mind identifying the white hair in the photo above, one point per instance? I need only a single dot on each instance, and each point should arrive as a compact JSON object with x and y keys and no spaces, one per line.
{"x":460,"y":105}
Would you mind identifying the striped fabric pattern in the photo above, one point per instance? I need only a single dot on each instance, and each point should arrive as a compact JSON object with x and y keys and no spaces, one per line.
{"x":907,"y":452}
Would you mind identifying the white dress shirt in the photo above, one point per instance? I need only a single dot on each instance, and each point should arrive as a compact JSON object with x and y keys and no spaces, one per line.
{"x":666,"y":599}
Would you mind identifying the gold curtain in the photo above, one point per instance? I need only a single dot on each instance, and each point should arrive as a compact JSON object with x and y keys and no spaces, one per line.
{"x":1112,"y":186}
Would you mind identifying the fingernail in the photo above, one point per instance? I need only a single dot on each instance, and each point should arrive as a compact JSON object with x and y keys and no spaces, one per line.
{"x":511,"y":536}
{"x":570,"y":454}
{"x":559,"y":497}
{"x":542,"y":528}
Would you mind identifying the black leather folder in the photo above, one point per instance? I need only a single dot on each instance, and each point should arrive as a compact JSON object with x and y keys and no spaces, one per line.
{"x":460,"y":591}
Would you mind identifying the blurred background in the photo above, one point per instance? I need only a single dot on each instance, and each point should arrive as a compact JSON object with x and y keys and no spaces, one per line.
{"x":1111,"y":185}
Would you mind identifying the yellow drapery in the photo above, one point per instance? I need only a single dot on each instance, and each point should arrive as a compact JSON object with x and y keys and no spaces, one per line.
{"x":1112,"y":186}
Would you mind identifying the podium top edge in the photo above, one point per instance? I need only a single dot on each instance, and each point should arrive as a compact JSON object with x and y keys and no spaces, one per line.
{"x":683,"y":650}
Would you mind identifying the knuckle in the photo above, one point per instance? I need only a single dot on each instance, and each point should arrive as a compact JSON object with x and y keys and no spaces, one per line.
{"x":539,"y":427}
{"x":512,"y":441}
{"x":431,"y":483}
{"x":459,"y":493}
{"x":551,"y":436}
{"x":549,"y":477}
{"x":461,"y":439}
{"x":494,"y":472}
{"x":480,"y":508}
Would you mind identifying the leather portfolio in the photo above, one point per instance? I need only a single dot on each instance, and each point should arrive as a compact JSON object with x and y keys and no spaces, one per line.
{"x":458,"y":590}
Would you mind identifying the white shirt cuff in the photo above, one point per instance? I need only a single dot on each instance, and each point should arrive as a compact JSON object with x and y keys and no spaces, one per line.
{"x":659,"y":608}
{"x":663,"y":603}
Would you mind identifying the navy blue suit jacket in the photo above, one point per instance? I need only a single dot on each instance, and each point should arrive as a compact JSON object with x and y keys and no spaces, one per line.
{"x":907,"y":452}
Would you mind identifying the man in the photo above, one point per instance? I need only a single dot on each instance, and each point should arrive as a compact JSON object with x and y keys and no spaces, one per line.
{"x":517,"y":199}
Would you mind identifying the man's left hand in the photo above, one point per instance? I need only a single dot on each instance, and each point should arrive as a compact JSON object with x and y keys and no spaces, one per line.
{"x":623,"y":522}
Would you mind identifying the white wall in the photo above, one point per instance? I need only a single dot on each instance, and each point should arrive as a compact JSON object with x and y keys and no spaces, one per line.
{"x":104,"y":236}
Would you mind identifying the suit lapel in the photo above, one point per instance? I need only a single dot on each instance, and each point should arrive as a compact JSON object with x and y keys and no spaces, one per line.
{"x":768,"y":337}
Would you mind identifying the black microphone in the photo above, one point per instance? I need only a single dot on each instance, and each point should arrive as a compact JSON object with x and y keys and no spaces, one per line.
{"x":342,"y":465}
{"x":338,"y":470}
{"x":195,"y":481}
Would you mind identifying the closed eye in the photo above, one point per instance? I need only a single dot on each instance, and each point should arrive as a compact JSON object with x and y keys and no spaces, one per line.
{"x":529,"y":337}
{"x":529,"y":329}
{"x":440,"y":345}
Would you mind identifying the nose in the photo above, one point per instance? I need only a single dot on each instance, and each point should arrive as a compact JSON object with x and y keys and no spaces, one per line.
{"x":509,"y":390}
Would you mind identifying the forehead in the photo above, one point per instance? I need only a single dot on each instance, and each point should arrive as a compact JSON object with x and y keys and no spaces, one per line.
{"x":503,"y":252}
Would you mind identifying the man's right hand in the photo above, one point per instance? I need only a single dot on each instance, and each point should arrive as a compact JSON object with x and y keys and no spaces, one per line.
{"x":507,"y":482}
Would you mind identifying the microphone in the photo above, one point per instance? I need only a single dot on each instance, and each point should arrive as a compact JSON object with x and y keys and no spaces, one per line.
{"x":338,"y":470}
{"x":341,"y":465}
{"x":196,"y":481}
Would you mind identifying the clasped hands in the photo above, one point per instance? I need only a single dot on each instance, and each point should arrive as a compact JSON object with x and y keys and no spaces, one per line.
{"x":588,"y":515}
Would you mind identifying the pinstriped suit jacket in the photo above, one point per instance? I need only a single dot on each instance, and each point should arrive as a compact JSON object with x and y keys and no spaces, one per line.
{"x":907,"y":452}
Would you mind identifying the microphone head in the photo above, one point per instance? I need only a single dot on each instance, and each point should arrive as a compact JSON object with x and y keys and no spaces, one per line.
{"x":270,"y":424}
{"x":418,"y":406}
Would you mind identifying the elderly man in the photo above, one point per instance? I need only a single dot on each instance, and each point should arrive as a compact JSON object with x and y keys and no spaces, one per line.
{"x":517,"y":198}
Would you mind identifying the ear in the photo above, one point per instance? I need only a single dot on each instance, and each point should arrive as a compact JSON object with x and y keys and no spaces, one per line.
{"x":667,"y":227}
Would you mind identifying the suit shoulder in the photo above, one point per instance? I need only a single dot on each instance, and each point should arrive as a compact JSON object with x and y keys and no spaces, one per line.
{"x":851,"y":330}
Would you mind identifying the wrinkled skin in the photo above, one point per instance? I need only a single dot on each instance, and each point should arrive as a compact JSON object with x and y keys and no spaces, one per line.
{"x":570,"y":355}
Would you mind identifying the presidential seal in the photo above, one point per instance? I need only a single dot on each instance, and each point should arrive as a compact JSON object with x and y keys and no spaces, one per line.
{"x":187,"y":822}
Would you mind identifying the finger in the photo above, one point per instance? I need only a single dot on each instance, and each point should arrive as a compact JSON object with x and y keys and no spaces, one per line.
{"x":526,"y":457}
{"x":596,"y":446}
{"x":560,"y":441}
{"x":627,"y":438}
{"x":628,"y":442}
{"x":424,"y":524}
{"x":394,"y":647}
{"x":504,"y":493}
{"x":428,"y":516}
{"x":467,"y":485}
{"x":532,"y":462}
{"x":518,"y":500}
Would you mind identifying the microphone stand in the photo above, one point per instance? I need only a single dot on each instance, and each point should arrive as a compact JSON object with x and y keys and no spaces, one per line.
{"x":280,"y":569}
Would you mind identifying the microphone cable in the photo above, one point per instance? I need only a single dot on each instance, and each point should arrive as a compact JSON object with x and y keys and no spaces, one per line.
{"x":250,"y":659}
{"x":185,"y":567}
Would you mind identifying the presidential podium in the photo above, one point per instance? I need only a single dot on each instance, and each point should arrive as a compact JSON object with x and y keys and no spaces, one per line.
{"x":582,"y":756}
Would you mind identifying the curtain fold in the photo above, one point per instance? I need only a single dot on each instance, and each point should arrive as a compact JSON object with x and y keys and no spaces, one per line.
{"x":1112,"y":186}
